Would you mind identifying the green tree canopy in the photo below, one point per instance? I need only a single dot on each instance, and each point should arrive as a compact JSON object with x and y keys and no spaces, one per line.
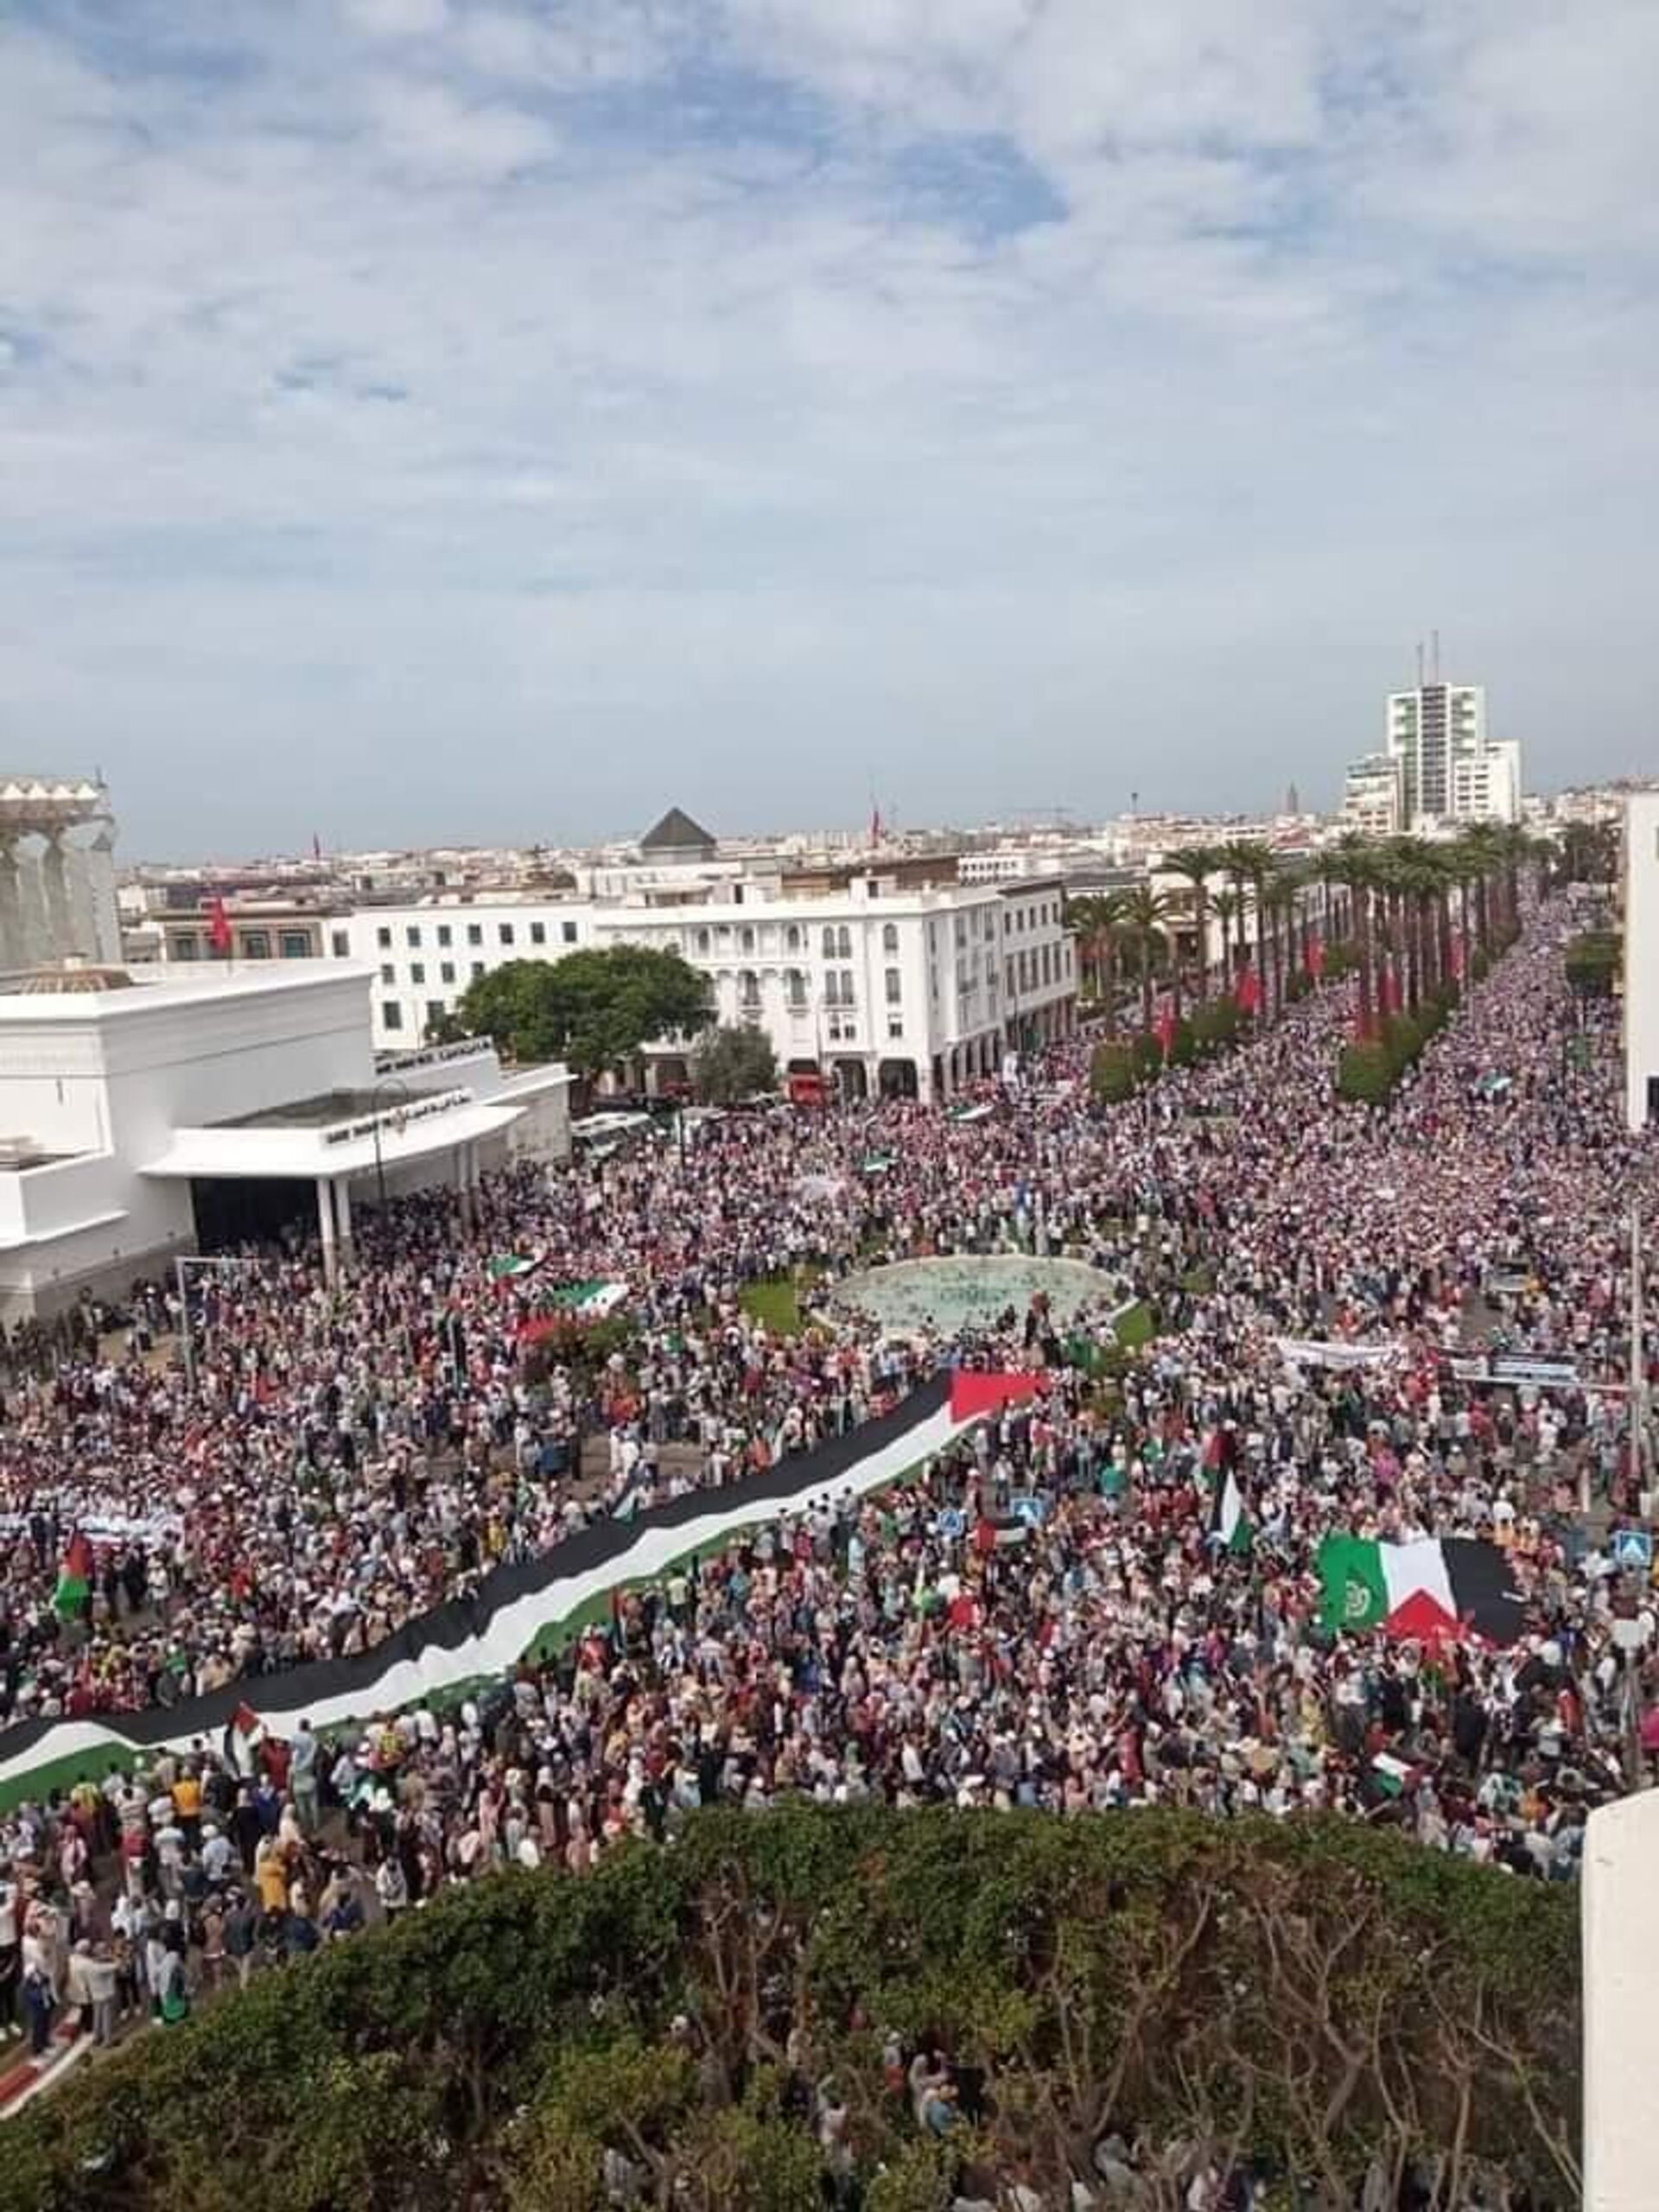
{"x":595,"y":1009}
{"x":1317,"y":1998}
{"x":732,"y":1064}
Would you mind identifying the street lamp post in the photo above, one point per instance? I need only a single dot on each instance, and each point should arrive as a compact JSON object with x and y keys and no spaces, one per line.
{"x":385,"y":1083}
{"x":214,"y":1262}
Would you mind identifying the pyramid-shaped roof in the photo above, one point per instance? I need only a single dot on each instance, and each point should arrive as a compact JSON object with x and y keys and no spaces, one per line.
{"x":676,"y":832}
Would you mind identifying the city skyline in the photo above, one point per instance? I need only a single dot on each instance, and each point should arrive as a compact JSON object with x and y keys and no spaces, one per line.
{"x":422,"y":419}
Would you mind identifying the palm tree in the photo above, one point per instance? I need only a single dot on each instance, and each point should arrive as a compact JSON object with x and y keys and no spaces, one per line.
{"x":1143,"y":920}
{"x":1354,"y":865}
{"x":1281,"y":895}
{"x":1100,"y":925}
{"x":1247,"y":860}
{"x":1197,"y":863}
{"x":1477,"y":847}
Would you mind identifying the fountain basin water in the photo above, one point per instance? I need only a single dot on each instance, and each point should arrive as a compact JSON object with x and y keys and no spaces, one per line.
{"x":971,"y":1290}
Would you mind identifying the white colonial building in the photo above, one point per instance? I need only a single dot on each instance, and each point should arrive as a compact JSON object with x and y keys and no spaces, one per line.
{"x":142,"y":1120}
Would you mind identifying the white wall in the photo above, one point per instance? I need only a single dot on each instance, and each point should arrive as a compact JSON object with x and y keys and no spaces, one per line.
{"x":416,"y":968}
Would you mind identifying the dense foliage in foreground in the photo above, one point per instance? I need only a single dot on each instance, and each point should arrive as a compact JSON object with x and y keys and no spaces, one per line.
{"x":1312,"y":1996}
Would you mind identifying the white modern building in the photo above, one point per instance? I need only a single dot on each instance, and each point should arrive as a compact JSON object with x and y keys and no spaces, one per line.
{"x":143,"y":1120}
{"x":1641,"y":921}
{"x":1373,"y":796}
{"x":1450,"y":769}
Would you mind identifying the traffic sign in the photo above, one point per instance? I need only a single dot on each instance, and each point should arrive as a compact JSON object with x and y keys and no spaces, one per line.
{"x":1633,"y":1548}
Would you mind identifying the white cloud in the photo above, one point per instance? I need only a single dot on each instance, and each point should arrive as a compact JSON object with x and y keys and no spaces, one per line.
{"x":1001,"y":392}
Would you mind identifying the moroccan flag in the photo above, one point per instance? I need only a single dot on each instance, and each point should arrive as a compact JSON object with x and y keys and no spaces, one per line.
{"x":1314,"y":960}
{"x":1249,"y":992}
{"x":1230,"y":1524}
{"x":972,"y":1395}
{"x":218,"y":927}
{"x":1428,"y":1590}
{"x":244,"y":1734}
{"x":73,"y":1593}
{"x":1164,"y":1028}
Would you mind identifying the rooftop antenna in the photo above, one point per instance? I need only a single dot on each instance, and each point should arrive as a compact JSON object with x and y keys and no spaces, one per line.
{"x":1419,"y":664}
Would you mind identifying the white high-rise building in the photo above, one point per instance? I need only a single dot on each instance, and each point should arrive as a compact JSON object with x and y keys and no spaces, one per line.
{"x":1371,"y":796}
{"x":1450,"y":769}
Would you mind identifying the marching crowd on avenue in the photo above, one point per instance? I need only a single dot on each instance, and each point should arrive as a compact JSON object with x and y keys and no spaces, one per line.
{"x":1050,"y":1614}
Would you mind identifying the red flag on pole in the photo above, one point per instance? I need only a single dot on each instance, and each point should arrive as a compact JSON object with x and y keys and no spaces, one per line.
{"x":1315,"y":958}
{"x":1248,"y":993}
{"x":218,"y":926}
{"x":1164,"y":1028}
{"x":1457,"y":958}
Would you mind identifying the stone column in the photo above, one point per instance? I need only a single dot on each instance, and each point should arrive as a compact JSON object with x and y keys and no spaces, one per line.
{"x":326,"y":1231}
{"x":13,"y":950}
{"x":59,"y":922}
{"x":343,"y":1210}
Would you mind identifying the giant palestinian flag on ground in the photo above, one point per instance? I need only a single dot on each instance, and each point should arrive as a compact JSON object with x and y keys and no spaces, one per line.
{"x":467,"y":1640}
{"x":1437,"y":1587}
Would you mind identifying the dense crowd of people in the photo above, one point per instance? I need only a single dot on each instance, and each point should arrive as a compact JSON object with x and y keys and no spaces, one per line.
{"x":1048,"y":1616}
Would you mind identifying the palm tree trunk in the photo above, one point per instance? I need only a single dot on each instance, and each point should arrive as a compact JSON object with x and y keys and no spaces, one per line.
{"x":1201,"y":908}
{"x":1362,"y":940}
{"x":1146,"y":982}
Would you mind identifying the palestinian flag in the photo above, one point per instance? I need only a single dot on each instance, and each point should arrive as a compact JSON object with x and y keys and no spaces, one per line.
{"x":1230,"y":1525}
{"x":506,"y":1267}
{"x":1000,"y":1532}
{"x":1432,"y":1590}
{"x":74,"y":1591}
{"x":245,"y":1733}
{"x":591,"y":1300}
{"x":974,"y":1396}
{"x":1392,"y":1776}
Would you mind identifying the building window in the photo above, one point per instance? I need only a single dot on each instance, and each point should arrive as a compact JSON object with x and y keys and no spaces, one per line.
{"x":504,"y":932}
{"x":792,"y":937}
{"x":341,"y":943}
{"x":539,"y":932}
{"x":383,"y":938}
{"x":829,"y":944}
{"x":294,"y":944}
{"x":446,"y":971}
{"x":748,"y":991}
{"x":185,"y":945}
{"x":256,"y":945}
{"x":477,"y":970}
{"x":417,"y":971}
{"x":895,"y":986}
{"x":434,"y":1013}
{"x":391,"y":1014}
{"x":474,"y":933}
{"x":895,"y":1027}
{"x":444,"y":935}
{"x":412,"y":936}
{"x":795,"y":984}
{"x":745,"y":938}
{"x":388,"y":973}
{"x":843,"y":942}
{"x":567,"y":931}
{"x":704,"y":941}
{"x":889,"y":936}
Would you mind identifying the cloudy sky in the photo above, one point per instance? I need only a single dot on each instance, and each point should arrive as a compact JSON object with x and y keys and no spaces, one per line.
{"x":459,"y":419}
